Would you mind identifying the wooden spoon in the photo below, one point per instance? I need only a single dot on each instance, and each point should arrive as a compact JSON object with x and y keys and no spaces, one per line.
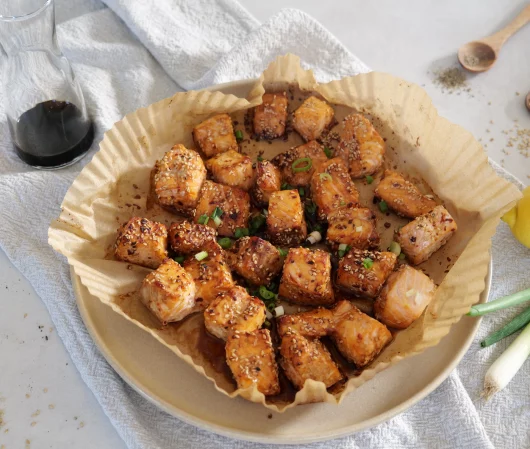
{"x":479,"y":56}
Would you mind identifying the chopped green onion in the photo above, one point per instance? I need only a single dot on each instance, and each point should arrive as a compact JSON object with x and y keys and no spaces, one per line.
{"x":302,"y":164}
{"x":401,"y":256}
{"x":318,"y":228}
{"x":256,"y":222}
{"x":271,"y":306}
{"x":328,"y":152}
{"x":260,"y":159}
{"x":239,"y":135}
{"x":369,"y":179}
{"x":343,"y":249}
{"x":395,"y":248}
{"x":179,"y":259}
{"x":342,"y":203}
{"x":266,"y":294}
{"x":286,"y":186}
{"x":267,"y":324}
{"x":311,"y":207}
{"x":201,"y":256}
{"x":517,"y":323}
{"x":383,"y":207}
{"x":282,"y":252}
{"x":217,"y":212}
{"x":301,"y":191}
{"x":241,"y":232}
{"x":217,"y":221}
{"x":279,"y":311}
{"x":325,"y":176}
{"x":272,"y":287}
{"x":225,"y":243}
{"x":203,"y":219}
{"x":314,"y":237}
{"x":368,"y":263}
{"x":265,"y":213}
{"x":501,"y":303}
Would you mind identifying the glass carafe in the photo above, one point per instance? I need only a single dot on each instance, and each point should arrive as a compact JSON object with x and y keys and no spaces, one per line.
{"x":45,"y":108}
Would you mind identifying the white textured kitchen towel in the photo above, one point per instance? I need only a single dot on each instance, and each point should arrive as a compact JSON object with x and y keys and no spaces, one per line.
{"x":144,"y":55}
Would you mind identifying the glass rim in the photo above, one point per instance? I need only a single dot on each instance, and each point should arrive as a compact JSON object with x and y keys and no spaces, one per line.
{"x":29,"y":15}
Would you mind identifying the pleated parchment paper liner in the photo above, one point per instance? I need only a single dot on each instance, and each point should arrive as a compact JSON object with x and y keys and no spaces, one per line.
{"x":114,"y":185}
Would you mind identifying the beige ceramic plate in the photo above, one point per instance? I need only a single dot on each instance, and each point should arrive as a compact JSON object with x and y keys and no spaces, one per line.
{"x":161,"y":377}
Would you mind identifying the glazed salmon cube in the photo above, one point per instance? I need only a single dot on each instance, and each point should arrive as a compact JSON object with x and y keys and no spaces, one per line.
{"x":285,"y":220}
{"x":406,"y":294}
{"x":313,"y":323}
{"x":313,"y":118}
{"x":332,"y":188}
{"x":169,"y":292}
{"x":258,"y":261}
{"x":360,"y":145}
{"x":364,"y":272}
{"x":232,"y":169}
{"x":427,"y":233}
{"x":233,"y":202}
{"x":268,"y":180}
{"x":215,"y":135}
{"x":177,"y":179}
{"x":250,"y":357}
{"x":210,"y":275}
{"x":306,"y":277}
{"x":354,"y":227}
{"x":142,"y":242}
{"x":303,"y":358}
{"x":402,"y":196}
{"x":358,"y":337}
{"x":190,"y":238}
{"x":293,"y":162}
{"x":234,"y":310}
{"x":270,"y":116}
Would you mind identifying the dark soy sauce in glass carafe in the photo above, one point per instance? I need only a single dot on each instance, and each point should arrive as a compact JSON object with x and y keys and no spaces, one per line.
{"x":52,"y":134}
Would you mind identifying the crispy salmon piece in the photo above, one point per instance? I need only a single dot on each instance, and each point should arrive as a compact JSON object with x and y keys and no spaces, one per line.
{"x":270,"y":116}
{"x":142,"y":242}
{"x":355,"y":227}
{"x":177,"y":179}
{"x":358,"y":337}
{"x":232,"y":169}
{"x":313,"y":323}
{"x":234,"y":310}
{"x":303,"y":358}
{"x":364,"y":272}
{"x":360,"y":145}
{"x":258,"y":261}
{"x":427,"y":233}
{"x":250,"y":357}
{"x":332,"y":188}
{"x":215,"y":135}
{"x":284,"y":161}
{"x":268,"y":180}
{"x":402,"y":196}
{"x":306,"y":277}
{"x":312,"y":118}
{"x":190,"y":238}
{"x":404,"y":297}
{"x":169,"y":292}
{"x":285,"y":219}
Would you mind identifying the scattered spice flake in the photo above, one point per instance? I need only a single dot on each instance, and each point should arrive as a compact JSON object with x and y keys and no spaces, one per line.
{"x":37,"y":413}
{"x":27,"y":444}
{"x":45,"y":390}
{"x":269,"y":416}
{"x":34,"y":423}
{"x":25,"y":315}
{"x":27,"y":395}
{"x":1,"y":418}
{"x":81,"y":425}
{"x":517,"y":93}
{"x":452,"y":79}
{"x":51,"y":406}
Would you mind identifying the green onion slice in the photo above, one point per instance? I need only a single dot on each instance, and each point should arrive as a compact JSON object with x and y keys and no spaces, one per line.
{"x":383,"y":207}
{"x":179,"y":259}
{"x":369,"y":179}
{"x":368,"y":263}
{"x":225,"y":243}
{"x":282,"y":252}
{"x":241,"y":232}
{"x":239,"y":135}
{"x":302,"y":164}
{"x":325,"y":176}
{"x":256,"y":223}
{"x":266,"y":294}
{"x":301,"y":191}
{"x":395,"y":248}
{"x":203,"y":219}
{"x":217,"y":212}
{"x":311,"y":207}
{"x":328,"y":152}
{"x":201,"y":256}
{"x":286,"y":186}
{"x":401,"y":256}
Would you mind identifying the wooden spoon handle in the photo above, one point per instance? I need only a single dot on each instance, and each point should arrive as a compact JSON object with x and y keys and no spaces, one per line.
{"x":497,"y":40}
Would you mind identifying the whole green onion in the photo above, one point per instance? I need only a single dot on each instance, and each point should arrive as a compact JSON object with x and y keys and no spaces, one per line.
{"x":501,"y":303}
{"x":517,"y":323}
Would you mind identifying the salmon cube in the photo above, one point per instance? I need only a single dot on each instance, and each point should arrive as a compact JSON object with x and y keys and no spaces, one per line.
{"x":233,"y":202}
{"x":354,"y":227}
{"x":215,"y":135}
{"x":364,"y":272}
{"x":360,"y":145}
{"x":268,"y":180}
{"x":258,"y":261}
{"x":303,"y":358}
{"x":306,"y":277}
{"x":177,"y":179}
{"x":270,"y":116}
{"x":406,"y":294}
{"x":358,"y":337}
{"x":142,"y":242}
{"x":313,"y":118}
{"x":426,"y":234}
{"x":169,"y":292}
{"x":232,"y":169}
{"x":190,"y":238}
{"x":298,"y":164}
{"x":332,"y":188}
{"x":285,"y":220}
{"x":402,"y":196}
{"x":313,"y":323}
{"x":234,"y":310}
{"x":250,"y":356}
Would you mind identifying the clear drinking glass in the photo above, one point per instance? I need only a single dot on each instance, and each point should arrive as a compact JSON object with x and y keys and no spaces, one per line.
{"x":45,"y":108}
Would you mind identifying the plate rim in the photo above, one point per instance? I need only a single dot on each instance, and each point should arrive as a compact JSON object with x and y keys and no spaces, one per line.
{"x":253,"y":436}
